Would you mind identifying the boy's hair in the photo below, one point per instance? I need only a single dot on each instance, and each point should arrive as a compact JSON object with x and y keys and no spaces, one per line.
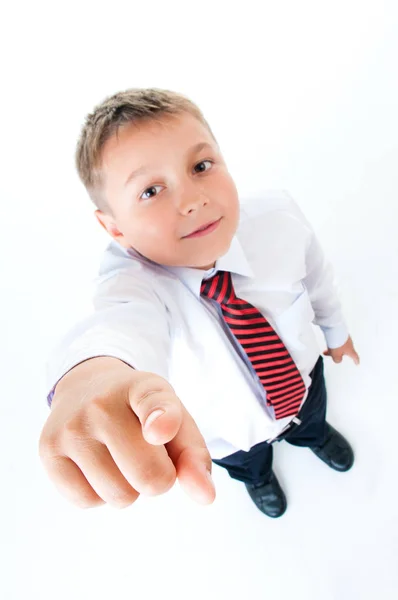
{"x":130,"y":106}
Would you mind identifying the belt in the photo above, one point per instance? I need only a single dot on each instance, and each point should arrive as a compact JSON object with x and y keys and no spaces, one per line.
{"x":294,"y":423}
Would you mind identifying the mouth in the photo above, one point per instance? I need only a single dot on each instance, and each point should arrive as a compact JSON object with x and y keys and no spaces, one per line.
{"x":205,"y":229}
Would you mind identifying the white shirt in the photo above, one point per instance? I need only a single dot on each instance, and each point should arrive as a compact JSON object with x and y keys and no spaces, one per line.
{"x":153,"y":318}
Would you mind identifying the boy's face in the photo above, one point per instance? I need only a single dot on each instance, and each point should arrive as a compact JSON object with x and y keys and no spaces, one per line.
{"x":180,"y":191}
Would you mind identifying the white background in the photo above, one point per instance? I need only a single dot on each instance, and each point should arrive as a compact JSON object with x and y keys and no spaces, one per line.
{"x":301,"y":96}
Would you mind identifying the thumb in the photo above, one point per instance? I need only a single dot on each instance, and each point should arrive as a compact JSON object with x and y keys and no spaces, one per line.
{"x":326,"y":353}
{"x":157,"y":406}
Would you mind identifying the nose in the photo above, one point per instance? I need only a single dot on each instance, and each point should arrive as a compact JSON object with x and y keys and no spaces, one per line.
{"x":190,"y":199}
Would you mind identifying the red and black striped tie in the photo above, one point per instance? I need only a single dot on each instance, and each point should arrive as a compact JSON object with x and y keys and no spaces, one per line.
{"x":267,"y":353}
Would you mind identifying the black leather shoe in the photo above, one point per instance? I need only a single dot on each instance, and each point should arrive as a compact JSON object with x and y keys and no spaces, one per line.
{"x":336,"y":451}
{"x":268,"y":497}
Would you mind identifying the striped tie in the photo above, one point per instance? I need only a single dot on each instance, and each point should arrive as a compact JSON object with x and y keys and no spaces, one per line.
{"x":270,"y":359}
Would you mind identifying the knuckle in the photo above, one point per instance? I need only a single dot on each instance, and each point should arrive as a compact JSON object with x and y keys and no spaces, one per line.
{"x":123,"y":499}
{"x":150,"y":385}
{"x":74,"y":428}
{"x":99,"y":408}
{"x":145,"y":397}
{"x":47,"y":445}
{"x":157,"y":485}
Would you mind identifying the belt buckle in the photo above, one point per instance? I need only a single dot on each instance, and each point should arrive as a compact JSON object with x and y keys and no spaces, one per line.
{"x":287,"y":428}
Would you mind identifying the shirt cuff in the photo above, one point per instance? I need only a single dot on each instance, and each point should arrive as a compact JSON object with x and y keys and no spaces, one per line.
{"x":51,"y":396}
{"x":125,"y":359}
{"x":335,"y":336}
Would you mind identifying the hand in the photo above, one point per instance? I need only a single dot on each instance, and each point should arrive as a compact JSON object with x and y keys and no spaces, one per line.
{"x":338,"y":353}
{"x":97,"y":445}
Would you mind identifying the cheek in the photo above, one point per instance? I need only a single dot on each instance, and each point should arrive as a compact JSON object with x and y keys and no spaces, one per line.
{"x":228,"y":186}
{"x":231,"y":198}
{"x":152,"y":226}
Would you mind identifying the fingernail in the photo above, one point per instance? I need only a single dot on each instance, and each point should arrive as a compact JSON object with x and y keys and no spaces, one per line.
{"x":209,"y":477}
{"x":153,"y":416}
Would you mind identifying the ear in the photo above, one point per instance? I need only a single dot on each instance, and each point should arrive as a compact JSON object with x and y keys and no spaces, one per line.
{"x":106,"y":221}
{"x":100,"y":216}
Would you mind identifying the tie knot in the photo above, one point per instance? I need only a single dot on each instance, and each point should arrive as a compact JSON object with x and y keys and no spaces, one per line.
{"x":219,"y":287}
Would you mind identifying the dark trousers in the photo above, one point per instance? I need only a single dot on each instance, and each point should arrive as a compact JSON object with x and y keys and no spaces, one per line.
{"x":255,"y":465}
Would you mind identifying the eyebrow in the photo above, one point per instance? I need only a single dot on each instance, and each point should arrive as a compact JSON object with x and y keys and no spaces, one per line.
{"x":144,"y":169}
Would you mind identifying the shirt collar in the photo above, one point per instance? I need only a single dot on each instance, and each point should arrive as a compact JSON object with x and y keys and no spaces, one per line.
{"x":234,"y":261}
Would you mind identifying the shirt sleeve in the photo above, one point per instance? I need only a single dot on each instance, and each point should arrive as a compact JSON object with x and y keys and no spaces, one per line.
{"x":130,"y":322}
{"x":322,"y":286}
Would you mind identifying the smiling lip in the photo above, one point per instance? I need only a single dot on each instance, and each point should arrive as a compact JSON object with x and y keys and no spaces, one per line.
{"x":208,"y":228}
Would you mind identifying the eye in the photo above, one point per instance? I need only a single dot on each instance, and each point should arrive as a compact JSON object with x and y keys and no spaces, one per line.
{"x":148,"y":189}
{"x":202,"y":162}
{"x":152,"y":187}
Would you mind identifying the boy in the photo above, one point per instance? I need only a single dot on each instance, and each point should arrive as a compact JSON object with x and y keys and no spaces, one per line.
{"x":202,"y":321}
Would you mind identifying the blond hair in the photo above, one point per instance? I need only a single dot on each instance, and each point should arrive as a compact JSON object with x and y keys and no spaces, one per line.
{"x":130,"y":106}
